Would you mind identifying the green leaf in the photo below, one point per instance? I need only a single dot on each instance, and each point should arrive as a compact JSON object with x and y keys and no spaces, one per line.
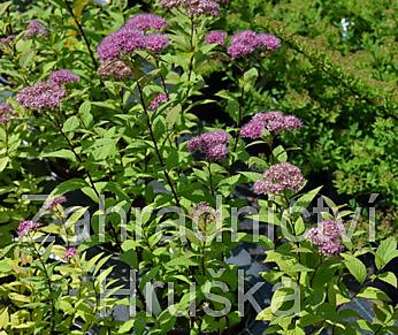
{"x":127,"y":326}
{"x":172,"y":115}
{"x":3,"y":163}
{"x":77,"y":213}
{"x":356,"y":267}
{"x":104,"y":148}
{"x":280,"y":154}
{"x":5,"y":265}
{"x":250,"y":77}
{"x":251,"y":176}
{"x":68,"y":186}
{"x":373,"y":293}
{"x":299,"y":226}
{"x":63,"y":153}
{"x":386,"y":252}
{"x":4,"y":318}
{"x":389,"y":278}
{"x":85,"y":113}
{"x":71,"y":124}
{"x":304,"y":201}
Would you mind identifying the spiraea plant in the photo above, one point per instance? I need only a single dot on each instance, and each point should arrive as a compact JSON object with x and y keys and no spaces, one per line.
{"x":147,"y":131}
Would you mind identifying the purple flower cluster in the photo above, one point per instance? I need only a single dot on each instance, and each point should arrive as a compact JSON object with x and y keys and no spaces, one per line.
{"x":146,"y":22}
{"x":274,"y":122}
{"x":36,"y":29}
{"x":268,"y":41}
{"x":158,"y":100}
{"x":327,"y":237}
{"x":27,"y":226}
{"x":156,"y":42}
{"x":63,"y":76}
{"x":278,"y":178}
{"x":216,"y":37}
{"x":5,"y":112}
{"x":214,"y":145}
{"x":70,"y":252}
{"x":116,"y":69}
{"x":246,"y":42}
{"x":121,"y":42}
{"x":132,"y":37}
{"x":42,"y":95}
{"x":194,"y":7}
{"x":54,"y":203}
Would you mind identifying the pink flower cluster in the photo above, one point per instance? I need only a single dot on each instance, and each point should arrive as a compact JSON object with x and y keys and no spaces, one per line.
{"x":116,"y":69}
{"x":63,"y":76}
{"x":27,"y":226}
{"x":214,"y":145}
{"x":36,"y":29}
{"x":246,"y":42}
{"x":194,"y":7}
{"x":156,"y":42}
{"x":146,"y":21}
{"x":274,"y":122}
{"x":132,"y":37}
{"x":5,"y":112}
{"x":216,"y":37}
{"x":279,"y":178}
{"x":70,"y":252}
{"x":158,"y":100}
{"x":327,"y":237}
{"x":47,"y":94}
{"x":42,"y":95}
{"x":123,"y":41}
{"x":54,"y":203}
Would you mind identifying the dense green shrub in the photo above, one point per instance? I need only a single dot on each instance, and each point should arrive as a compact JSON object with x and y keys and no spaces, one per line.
{"x":343,"y":84}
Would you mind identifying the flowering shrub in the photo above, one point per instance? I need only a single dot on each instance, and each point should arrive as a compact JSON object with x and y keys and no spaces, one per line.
{"x":338,"y":76}
{"x":105,"y":109}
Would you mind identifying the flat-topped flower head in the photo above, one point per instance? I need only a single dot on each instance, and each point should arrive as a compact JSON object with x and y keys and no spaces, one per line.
{"x":279,"y":178}
{"x":122,"y":42}
{"x":216,"y":37}
{"x":156,"y":42}
{"x":53,"y":203}
{"x":327,"y":236}
{"x":36,"y":29}
{"x":242,"y":44}
{"x":43,"y":95}
{"x":64,"y":76}
{"x":247,"y":42}
{"x":158,"y":100}
{"x":115,"y":69}
{"x":70,"y":253}
{"x":146,"y":21}
{"x":274,"y":122}
{"x":214,"y":145}
{"x":194,"y":7}
{"x":27,"y":226}
{"x":268,"y":41}
{"x":6,"y":112}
